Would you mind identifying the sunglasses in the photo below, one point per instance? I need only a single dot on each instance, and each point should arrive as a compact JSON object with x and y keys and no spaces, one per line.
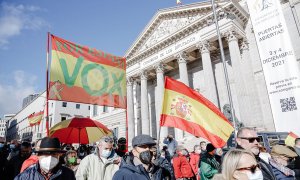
{"x":251,"y":139}
{"x":251,"y":168}
{"x":110,"y":140}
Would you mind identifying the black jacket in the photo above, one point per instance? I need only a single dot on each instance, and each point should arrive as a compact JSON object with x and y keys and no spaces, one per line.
{"x":128,"y":171}
{"x":33,"y":173}
{"x":13,"y":166}
{"x":160,"y":170}
{"x":163,"y":169}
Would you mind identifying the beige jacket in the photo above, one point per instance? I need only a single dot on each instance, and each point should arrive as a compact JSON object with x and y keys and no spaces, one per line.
{"x":94,"y":168}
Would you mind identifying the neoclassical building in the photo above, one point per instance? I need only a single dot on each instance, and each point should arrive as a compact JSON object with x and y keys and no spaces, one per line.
{"x":181,"y":42}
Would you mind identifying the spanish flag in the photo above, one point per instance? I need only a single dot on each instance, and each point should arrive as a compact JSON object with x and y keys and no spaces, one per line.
{"x":186,"y":109}
{"x":35,"y":118}
{"x":290,"y":139}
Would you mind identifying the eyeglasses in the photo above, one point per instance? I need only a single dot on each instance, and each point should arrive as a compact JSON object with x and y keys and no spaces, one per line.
{"x":251,"y":168}
{"x":251,"y":139}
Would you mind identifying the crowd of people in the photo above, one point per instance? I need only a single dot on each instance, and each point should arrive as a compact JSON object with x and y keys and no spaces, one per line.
{"x":109,"y":159}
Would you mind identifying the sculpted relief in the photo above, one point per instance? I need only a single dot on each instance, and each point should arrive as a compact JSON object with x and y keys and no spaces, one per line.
{"x":168,"y":27}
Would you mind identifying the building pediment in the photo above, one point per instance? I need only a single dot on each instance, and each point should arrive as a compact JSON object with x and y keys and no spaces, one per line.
{"x":167,"y":22}
{"x":168,"y":26}
{"x":171,"y":23}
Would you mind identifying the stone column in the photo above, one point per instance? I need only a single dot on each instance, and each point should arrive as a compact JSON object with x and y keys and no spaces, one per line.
{"x":137,"y":107}
{"x":210,"y":83}
{"x":130,"y":111}
{"x":159,"y":98}
{"x":255,"y":112}
{"x":145,"y":104}
{"x":182,"y":61}
{"x":183,"y":74}
{"x":239,"y":84}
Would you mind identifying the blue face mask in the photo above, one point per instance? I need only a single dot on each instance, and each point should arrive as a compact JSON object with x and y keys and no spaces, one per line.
{"x":12,"y":146}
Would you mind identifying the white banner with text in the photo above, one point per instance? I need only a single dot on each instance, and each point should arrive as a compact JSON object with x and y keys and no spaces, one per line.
{"x":280,"y":67}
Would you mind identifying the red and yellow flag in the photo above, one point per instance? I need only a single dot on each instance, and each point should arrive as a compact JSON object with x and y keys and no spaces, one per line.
{"x":86,"y":75}
{"x":290,"y":139}
{"x":35,"y":118}
{"x":186,"y":109}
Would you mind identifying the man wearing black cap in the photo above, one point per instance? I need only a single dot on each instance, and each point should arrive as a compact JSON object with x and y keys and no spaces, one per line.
{"x":48,"y":166}
{"x":138,"y":164}
{"x":209,"y":166}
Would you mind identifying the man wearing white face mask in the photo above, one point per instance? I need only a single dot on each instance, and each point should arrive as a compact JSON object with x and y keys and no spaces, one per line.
{"x":100,"y":165}
{"x":48,"y":166}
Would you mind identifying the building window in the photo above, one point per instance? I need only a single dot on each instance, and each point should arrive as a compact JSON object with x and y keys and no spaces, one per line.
{"x":63,"y":118}
{"x":50,"y":122}
{"x":77,"y":106}
{"x":95,"y":110}
{"x":105,"y":109}
{"x":89,"y":107}
{"x":64,"y":104}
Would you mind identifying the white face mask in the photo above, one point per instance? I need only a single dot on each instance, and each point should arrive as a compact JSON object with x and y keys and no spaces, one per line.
{"x":105,"y":153}
{"x":255,"y":176}
{"x":48,"y":162}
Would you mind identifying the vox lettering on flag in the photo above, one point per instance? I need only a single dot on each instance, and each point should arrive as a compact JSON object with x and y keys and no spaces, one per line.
{"x":86,"y":75}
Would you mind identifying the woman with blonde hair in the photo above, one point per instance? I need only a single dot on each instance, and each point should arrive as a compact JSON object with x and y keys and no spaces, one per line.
{"x":240,"y":164}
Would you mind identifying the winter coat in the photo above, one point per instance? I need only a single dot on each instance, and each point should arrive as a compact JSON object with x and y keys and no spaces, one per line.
{"x":32,"y":160}
{"x":182,"y":167}
{"x":59,"y":173}
{"x":171,"y":145}
{"x":92,"y":167}
{"x":128,"y":171}
{"x":13,"y":166}
{"x":194,"y":162}
{"x":209,"y":166}
{"x":163,"y":170}
{"x":280,"y":176}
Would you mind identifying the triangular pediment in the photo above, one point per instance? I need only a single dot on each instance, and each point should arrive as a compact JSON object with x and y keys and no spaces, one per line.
{"x":166,"y":28}
{"x":167,"y":22}
{"x":171,"y":22}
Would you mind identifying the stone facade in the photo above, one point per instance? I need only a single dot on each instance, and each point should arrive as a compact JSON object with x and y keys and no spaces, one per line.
{"x":181,"y":42}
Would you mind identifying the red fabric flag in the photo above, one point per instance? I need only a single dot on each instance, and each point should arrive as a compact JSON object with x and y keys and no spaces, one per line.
{"x":186,"y":109}
{"x":35,"y":118}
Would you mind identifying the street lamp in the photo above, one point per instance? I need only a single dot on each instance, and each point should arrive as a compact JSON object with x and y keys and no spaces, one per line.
{"x":231,"y":16}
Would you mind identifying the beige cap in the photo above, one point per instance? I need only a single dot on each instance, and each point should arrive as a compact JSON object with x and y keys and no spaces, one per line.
{"x":284,"y":151}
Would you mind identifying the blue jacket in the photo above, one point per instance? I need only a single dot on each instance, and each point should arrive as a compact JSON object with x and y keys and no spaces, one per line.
{"x":280,"y":176}
{"x":33,"y":173}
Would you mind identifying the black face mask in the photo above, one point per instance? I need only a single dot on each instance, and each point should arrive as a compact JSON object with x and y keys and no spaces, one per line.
{"x":146,"y":157}
{"x":170,"y":139}
{"x":291,"y":164}
{"x":25,"y":155}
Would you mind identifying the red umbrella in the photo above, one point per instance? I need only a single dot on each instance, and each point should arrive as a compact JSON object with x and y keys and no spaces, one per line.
{"x":79,"y":130}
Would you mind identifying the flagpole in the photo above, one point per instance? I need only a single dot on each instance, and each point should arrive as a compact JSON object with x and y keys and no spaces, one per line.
{"x":47,"y":82}
{"x":224,"y":66}
{"x":126,"y":128}
{"x":158,"y":141}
